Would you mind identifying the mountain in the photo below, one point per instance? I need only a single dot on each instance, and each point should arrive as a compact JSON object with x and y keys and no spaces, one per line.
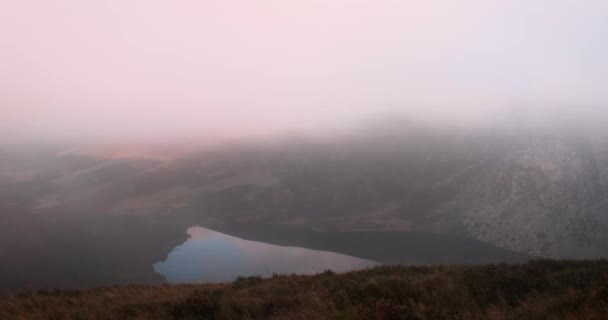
{"x":540,"y":192}
{"x":543,"y":193}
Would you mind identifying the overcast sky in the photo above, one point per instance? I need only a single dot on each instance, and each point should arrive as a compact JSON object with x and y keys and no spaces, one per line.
{"x":152,"y":68}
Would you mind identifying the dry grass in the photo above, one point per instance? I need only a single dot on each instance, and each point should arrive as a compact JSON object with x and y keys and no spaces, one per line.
{"x":538,"y":290}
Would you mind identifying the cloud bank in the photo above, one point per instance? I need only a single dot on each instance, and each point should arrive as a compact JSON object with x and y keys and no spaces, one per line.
{"x":121,"y":69}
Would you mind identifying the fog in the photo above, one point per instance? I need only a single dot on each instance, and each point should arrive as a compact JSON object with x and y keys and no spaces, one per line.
{"x":393,"y":131}
{"x":122,"y":70}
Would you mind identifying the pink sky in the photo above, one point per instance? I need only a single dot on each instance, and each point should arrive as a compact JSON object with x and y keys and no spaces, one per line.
{"x":157,"y":68}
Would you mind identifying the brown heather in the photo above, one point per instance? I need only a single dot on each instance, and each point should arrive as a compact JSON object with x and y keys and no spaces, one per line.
{"x":537,"y":290}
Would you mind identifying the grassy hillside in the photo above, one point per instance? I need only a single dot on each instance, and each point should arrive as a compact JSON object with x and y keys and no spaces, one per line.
{"x":537,"y":290}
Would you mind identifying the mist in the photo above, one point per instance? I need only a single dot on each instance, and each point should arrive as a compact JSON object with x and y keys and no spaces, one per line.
{"x":162,"y":70}
{"x":149,"y":142}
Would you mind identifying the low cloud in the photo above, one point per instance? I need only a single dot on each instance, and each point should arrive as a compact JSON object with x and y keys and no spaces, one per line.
{"x":160,"y":69}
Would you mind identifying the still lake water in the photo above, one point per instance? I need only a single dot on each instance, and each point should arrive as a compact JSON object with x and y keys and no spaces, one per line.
{"x":210,"y":256}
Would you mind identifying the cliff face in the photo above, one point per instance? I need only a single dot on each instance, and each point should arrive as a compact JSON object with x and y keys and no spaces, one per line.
{"x":545,"y":195}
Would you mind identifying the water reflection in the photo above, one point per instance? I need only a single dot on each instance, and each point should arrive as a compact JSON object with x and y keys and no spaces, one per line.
{"x":210,"y":256}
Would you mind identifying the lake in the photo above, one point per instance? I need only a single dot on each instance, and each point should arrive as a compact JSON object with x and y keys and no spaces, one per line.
{"x":210,"y":256}
{"x":84,"y":251}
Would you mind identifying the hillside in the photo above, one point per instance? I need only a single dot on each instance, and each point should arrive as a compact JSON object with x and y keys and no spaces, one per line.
{"x":537,"y":290}
{"x":539,"y":193}
{"x":432,"y":195}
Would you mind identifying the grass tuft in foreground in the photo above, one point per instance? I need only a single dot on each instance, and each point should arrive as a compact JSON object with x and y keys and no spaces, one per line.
{"x":537,"y":290}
